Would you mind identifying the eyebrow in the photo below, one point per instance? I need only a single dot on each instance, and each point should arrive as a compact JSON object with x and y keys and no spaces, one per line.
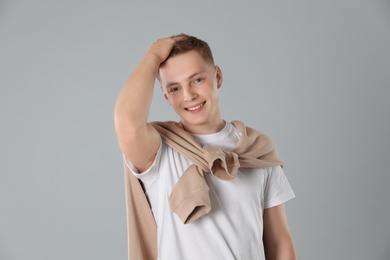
{"x":170,"y":84}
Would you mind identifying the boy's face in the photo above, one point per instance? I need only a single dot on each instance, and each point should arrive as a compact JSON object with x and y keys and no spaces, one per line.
{"x":190,"y":85}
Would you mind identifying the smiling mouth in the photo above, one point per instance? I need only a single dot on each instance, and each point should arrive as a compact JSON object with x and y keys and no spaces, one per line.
{"x":195,"y":107}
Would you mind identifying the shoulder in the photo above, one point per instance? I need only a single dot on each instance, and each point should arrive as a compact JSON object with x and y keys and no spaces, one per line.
{"x":249,"y":131}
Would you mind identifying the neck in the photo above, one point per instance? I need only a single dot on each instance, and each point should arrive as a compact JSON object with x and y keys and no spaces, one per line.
{"x":204,"y":129}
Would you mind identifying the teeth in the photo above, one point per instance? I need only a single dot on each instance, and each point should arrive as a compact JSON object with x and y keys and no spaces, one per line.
{"x":195,"y":108}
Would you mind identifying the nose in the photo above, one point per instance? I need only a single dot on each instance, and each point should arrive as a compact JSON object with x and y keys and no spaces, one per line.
{"x":189,"y":94}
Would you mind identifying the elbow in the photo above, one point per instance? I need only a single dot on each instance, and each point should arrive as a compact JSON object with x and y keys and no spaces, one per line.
{"x":129,"y":120}
{"x":128,"y":128}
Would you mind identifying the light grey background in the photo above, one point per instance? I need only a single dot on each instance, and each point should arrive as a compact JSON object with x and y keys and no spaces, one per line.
{"x":314,"y":75}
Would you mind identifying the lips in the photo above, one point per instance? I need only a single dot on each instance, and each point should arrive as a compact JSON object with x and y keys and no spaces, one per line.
{"x":195,"y":107}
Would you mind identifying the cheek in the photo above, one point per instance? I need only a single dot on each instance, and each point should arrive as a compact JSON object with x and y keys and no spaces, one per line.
{"x":213,"y":92}
{"x":172,"y":100}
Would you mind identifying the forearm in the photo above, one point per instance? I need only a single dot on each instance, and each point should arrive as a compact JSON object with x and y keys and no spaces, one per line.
{"x":135,"y":98}
{"x":282,"y":250}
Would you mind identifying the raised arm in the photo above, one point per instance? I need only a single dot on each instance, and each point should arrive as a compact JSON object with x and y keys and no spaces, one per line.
{"x":138,"y":140}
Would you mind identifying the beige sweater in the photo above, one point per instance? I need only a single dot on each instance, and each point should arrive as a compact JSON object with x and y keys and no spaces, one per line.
{"x":189,"y":199}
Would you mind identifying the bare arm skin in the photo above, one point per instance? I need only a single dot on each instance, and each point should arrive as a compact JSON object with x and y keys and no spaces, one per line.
{"x":138,"y":140}
{"x":278,"y":244}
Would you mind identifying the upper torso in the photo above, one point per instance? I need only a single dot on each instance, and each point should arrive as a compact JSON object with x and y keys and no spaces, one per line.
{"x":233,"y":228}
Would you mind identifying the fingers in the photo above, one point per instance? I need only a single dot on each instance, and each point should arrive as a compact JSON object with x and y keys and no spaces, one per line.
{"x":175,"y":38}
{"x":162,"y":47}
{"x":178,"y":37}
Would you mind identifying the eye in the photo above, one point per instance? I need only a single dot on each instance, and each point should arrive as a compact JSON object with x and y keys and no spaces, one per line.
{"x":173,"y":90}
{"x":198,"y":80}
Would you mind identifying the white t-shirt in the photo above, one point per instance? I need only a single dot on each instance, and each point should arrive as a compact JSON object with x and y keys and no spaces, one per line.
{"x":233,"y":229}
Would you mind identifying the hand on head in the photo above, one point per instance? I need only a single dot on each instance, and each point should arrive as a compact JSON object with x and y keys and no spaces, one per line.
{"x":162,"y":47}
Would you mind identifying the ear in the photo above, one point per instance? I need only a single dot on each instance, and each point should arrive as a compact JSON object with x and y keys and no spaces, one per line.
{"x":164,"y":94}
{"x":219,"y":76}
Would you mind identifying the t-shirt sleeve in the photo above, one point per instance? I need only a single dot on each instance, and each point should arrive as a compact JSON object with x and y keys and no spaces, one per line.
{"x":149,"y":174}
{"x":278,"y":189}
{"x":149,"y":178}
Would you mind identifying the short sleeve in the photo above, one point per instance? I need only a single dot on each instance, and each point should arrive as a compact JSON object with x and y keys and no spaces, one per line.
{"x":148,"y":175}
{"x":148,"y":178}
{"x":278,"y":189}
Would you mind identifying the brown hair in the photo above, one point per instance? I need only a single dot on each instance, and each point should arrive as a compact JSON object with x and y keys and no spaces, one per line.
{"x":189,"y":43}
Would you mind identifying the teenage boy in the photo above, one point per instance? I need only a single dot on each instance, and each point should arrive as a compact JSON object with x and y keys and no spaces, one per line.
{"x":200,"y":188}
